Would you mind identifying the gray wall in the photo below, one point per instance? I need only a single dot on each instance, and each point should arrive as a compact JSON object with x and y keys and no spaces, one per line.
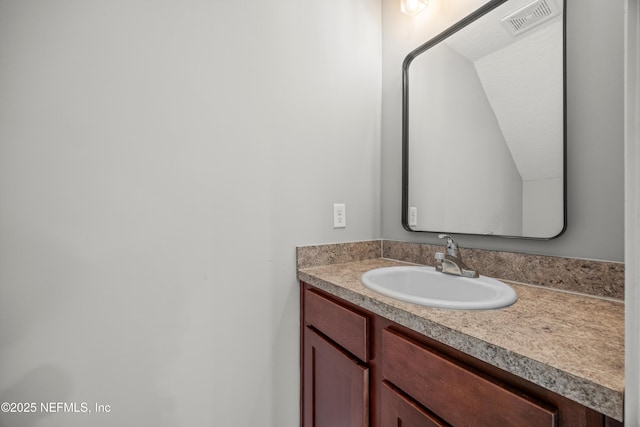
{"x":594,"y":126}
{"x":159,"y":161}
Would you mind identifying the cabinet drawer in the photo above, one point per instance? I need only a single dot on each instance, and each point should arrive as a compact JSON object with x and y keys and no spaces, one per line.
{"x":455,"y":392}
{"x":346,"y":327}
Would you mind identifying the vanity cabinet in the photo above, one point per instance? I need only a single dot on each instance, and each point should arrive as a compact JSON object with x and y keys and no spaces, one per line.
{"x":337,"y":390}
{"x":455,"y":392}
{"x":335,"y":375}
{"x":360,"y":369}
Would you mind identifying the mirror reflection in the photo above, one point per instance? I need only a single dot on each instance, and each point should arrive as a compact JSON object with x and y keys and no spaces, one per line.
{"x":483,"y":124}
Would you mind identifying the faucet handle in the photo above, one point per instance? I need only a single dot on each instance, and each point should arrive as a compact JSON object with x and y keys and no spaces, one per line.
{"x":452,"y":246}
{"x":439,"y":257}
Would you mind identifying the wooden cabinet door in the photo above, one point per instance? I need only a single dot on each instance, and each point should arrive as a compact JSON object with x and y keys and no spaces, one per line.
{"x":335,"y":385}
{"x":398,"y":410}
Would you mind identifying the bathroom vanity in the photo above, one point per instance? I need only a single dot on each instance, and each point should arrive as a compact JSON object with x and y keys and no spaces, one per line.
{"x":370,"y":360}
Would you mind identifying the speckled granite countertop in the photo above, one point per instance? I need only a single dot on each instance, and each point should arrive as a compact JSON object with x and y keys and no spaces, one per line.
{"x":569,"y":343}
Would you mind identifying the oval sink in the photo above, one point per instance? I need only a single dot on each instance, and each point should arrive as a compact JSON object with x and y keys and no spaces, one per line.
{"x":425,"y":286}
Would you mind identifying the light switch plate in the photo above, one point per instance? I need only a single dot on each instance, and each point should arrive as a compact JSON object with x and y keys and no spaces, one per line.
{"x":339,"y":215}
{"x":413,"y":216}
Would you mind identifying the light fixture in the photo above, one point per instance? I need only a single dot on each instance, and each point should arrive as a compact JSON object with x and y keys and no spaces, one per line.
{"x":413,"y":7}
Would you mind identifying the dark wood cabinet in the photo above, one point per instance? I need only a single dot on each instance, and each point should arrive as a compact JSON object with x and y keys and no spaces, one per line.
{"x":335,"y":376}
{"x":457,"y":393}
{"x":399,"y":410}
{"x":336,"y":391}
{"x":360,"y":369}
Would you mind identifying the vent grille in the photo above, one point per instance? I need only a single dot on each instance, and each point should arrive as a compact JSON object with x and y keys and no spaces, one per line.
{"x":527,"y":17}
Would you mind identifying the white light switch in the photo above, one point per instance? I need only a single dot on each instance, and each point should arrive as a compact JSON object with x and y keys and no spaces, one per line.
{"x":413,"y":216}
{"x":339,"y":215}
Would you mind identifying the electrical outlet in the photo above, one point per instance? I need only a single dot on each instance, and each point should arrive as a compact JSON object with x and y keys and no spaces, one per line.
{"x":413,"y":216}
{"x":339,"y":215}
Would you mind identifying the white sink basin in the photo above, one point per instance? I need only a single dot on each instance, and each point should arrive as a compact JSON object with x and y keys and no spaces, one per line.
{"x":425,"y":286}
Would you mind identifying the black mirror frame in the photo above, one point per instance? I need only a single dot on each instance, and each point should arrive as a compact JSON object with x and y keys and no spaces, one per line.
{"x":488,"y":7}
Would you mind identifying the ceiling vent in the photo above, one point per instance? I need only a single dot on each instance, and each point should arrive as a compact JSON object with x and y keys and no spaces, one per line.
{"x":529,"y":16}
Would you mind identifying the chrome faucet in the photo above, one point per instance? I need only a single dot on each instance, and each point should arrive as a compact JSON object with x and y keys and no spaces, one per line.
{"x":452,"y":263}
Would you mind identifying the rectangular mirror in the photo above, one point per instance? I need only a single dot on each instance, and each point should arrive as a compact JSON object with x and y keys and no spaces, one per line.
{"x":484,"y":124}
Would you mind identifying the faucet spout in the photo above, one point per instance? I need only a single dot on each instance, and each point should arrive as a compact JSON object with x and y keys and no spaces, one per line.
{"x":452,"y":263}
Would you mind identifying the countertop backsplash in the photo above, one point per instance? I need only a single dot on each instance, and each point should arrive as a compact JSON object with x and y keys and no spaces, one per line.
{"x":598,"y":278}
